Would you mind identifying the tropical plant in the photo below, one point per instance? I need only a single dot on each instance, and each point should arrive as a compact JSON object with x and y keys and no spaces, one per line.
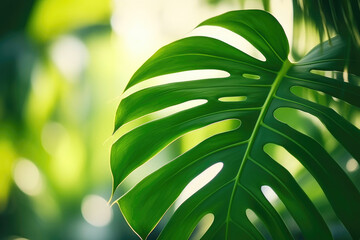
{"x":262,"y":88}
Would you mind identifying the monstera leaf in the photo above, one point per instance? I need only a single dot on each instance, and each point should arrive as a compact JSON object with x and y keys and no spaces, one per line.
{"x":267,"y":86}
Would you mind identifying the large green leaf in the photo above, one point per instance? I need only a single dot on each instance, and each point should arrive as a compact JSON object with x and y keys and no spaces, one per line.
{"x":246,"y":166}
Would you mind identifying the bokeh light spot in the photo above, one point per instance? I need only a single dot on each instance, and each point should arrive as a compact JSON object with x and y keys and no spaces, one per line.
{"x":27,"y":177}
{"x":51,"y":135}
{"x":70,"y":56}
{"x":352,"y":165}
{"x":96,"y":210}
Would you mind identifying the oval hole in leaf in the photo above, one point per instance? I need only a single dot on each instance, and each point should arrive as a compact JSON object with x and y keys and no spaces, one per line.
{"x":337,"y":75}
{"x":230,"y":38}
{"x":251,"y":76}
{"x":156,"y":115}
{"x":330,"y":74}
{"x":284,"y":158}
{"x":233,"y":99}
{"x":269,"y":194}
{"x":304,"y":123}
{"x":280,"y":207}
{"x":191,"y":139}
{"x":184,"y":76}
{"x":199,"y":182}
{"x":178,"y":108}
{"x":202,"y":227}
{"x":259,"y":225}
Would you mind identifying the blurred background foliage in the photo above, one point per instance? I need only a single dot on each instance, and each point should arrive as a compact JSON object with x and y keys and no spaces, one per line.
{"x":63,"y":67}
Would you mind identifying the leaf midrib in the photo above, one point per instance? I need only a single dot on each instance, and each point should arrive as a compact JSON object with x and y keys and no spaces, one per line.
{"x":281,"y":74}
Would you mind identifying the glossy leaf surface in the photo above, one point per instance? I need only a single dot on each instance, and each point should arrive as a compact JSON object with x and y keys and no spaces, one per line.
{"x":246,"y":166}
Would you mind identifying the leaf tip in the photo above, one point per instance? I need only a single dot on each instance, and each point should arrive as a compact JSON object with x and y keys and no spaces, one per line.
{"x":142,"y":233}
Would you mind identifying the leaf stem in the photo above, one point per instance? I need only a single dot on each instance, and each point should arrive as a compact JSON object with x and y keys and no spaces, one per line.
{"x":284,"y":69}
